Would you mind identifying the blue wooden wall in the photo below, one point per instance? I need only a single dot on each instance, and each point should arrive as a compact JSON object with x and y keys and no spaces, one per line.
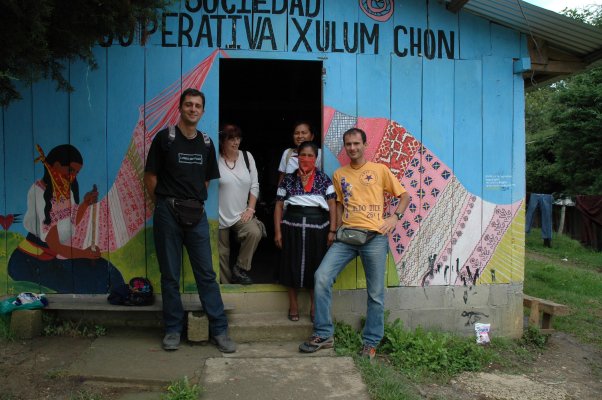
{"x":466,"y":111}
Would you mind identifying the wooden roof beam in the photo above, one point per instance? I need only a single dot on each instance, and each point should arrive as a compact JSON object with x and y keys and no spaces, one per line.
{"x":456,"y":5}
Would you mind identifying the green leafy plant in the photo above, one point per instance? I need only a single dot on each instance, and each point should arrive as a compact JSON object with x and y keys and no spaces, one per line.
{"x":5,"y":327}
{"x":182,"y":389}
{"x":86,"y":395}
{"x":56,"y":327}
{"x":532,"y":336}
{"x":348,"y":341}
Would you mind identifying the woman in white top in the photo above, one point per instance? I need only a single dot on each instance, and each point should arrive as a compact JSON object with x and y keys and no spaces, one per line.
{"x":238,"y":192}
{"x":289,"y":161}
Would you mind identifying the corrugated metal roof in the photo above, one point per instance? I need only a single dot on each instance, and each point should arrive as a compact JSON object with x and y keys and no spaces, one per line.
{"x":564,"y":33}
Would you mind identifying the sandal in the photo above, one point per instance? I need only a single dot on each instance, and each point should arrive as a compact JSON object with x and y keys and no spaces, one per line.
{"x":293,"y":317}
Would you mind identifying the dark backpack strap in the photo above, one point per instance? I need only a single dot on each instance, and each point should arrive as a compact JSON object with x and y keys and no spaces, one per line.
{"x":171,"y":136}
{"x":244,"y":154}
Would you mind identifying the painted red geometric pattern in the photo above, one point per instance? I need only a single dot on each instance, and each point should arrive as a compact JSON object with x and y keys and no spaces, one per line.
{"x":123,"y":212}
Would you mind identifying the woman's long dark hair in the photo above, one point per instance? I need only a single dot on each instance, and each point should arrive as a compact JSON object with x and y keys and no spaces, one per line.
{"x":65,"y":154}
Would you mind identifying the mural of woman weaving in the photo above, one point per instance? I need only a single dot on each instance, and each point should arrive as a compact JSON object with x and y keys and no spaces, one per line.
{"x":47,"y":256}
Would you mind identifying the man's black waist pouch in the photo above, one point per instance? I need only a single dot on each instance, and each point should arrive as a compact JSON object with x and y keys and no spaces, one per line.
{"x":188,"y":212}
{"x":354,"y":236}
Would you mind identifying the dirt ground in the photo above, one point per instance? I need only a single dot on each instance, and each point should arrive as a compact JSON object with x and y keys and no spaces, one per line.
{"x":36,"y":369}
{"x":566,"y":370}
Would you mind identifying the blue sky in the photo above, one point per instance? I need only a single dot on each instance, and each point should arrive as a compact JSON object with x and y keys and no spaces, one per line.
{"x":559,"y":5}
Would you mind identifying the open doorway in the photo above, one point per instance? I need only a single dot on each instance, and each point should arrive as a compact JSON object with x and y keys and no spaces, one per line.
{"x":265,"y":98}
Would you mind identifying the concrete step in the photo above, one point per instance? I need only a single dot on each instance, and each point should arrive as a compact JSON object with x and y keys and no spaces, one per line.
{"x":268,"y":327}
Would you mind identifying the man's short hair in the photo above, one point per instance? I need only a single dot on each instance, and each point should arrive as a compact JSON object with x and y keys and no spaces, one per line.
{"x":192,"y":92}
{"x":355,"y":131}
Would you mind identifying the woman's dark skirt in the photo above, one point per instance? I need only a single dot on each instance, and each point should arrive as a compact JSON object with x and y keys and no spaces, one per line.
{"x":304,"y":244}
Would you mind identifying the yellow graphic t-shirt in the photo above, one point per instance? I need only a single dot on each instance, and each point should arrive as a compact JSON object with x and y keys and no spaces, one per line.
{"x":361,"y":191}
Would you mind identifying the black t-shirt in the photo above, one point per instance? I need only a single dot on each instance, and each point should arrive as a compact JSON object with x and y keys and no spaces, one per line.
{"x":182,"y":167}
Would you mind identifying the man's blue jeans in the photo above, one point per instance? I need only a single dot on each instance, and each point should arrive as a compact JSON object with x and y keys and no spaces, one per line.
{"x":169,"y":239}
{"x":373,"y":255}
{"x":544,"y":201}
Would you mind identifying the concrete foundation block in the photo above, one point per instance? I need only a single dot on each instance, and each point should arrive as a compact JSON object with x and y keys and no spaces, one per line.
{"x":198,"y":327}
{"x":26,"y":324}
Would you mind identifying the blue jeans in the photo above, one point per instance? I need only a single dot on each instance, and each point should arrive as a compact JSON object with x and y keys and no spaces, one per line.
{"x":169,"y":239}
{"x":544,"y":201}
{"x":373,"y":255}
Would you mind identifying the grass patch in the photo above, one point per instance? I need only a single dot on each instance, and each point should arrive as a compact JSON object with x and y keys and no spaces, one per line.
{"x":52,"y":326}
{"x":5,"y":327}
{"x":564,"y":248}
{"x":385,"y":383}
{"x":86,"y":395}
{"x":406,"y":358}
{"x":576,"y":283}
{"x":182,"y":389}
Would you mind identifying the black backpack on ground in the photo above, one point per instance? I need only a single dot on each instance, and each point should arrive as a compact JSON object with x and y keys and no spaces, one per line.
{"x":139,"y":292}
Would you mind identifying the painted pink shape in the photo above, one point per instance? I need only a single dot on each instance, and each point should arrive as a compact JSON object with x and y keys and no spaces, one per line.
{"x":127,"y":189}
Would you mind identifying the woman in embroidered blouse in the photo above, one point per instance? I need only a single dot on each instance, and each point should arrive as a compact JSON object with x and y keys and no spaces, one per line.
{"x":307,"y":228}
{"x":289,"y":163}
{"x":238,"y":192}
{"x":47,"y":256}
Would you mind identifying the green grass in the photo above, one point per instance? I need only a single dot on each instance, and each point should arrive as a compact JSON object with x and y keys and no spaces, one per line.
{"x":5,"y":327}
{"x":183,"y":390}
{"x":409,"y":358}
{"x":563,"y":247}
{"x":576,"y":283}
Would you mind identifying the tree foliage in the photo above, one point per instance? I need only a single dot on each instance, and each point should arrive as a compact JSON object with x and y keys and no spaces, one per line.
{"x":40,"y":36}
{"x":564,"y":129}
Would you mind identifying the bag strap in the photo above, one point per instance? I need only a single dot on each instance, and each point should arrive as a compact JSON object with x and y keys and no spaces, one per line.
{"x":246,"y":157}
{"x":171,"y":136}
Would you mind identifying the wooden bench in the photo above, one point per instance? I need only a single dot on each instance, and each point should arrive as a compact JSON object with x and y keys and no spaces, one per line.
{"x":98,"y":302}
{"x":197,"y":324}
{"x":548,"y":310}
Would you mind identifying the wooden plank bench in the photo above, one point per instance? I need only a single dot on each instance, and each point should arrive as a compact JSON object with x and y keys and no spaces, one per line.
{"x":197,"y":324}
{"x":548,"y":310}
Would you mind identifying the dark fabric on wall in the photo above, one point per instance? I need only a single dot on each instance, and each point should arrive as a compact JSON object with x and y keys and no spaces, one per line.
{"x":590,"y":208}
{"x":573,"y":226}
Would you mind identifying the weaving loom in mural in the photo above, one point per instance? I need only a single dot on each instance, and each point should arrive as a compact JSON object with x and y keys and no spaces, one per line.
{"x":123,"y":212}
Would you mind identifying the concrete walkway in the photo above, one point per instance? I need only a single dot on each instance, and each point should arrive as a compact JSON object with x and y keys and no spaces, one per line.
{"x":259,"y":370}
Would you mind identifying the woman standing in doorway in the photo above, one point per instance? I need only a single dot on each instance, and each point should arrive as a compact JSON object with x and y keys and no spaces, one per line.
{"x":306,"y":197}
{"x":238,"y":192}
{"x":289,"y":163}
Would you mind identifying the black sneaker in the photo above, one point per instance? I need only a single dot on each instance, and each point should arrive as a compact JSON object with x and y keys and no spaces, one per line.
{"x":171,"y":341}
{"x":224,"y":343}
{"x":316,"y":343}
{"x":240,"y":276}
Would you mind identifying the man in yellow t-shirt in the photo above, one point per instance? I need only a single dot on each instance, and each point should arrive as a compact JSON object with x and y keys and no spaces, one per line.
{"x":360,"y":188}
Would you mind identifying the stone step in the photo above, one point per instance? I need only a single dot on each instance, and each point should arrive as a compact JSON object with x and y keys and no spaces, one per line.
{"x":268,"y":327}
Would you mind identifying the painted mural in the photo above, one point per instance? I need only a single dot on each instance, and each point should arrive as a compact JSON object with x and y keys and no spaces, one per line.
{"x":436,"y":92}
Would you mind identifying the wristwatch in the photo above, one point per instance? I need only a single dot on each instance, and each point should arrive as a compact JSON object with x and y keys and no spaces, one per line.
{"x":399,"y":216}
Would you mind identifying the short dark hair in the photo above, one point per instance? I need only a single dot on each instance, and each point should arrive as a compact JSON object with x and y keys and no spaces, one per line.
{"x":228,"y":131}
{"x":354,"y":131}
{"x":308,"y":144}
{"x":192,"y":92}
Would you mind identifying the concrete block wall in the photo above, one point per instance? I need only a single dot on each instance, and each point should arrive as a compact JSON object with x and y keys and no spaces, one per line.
{"x":449,"y":308}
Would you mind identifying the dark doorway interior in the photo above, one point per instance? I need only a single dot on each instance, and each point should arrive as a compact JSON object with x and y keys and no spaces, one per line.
{"x":265,"y":98}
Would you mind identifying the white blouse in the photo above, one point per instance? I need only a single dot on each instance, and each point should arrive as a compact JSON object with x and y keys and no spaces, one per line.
{"x":235,"y":185}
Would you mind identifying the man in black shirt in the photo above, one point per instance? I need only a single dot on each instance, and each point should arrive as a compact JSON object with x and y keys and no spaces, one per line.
{"x":180,"y":163}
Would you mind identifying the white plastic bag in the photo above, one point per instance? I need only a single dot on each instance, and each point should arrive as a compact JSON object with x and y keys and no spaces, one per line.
{"x":482,"y":332}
